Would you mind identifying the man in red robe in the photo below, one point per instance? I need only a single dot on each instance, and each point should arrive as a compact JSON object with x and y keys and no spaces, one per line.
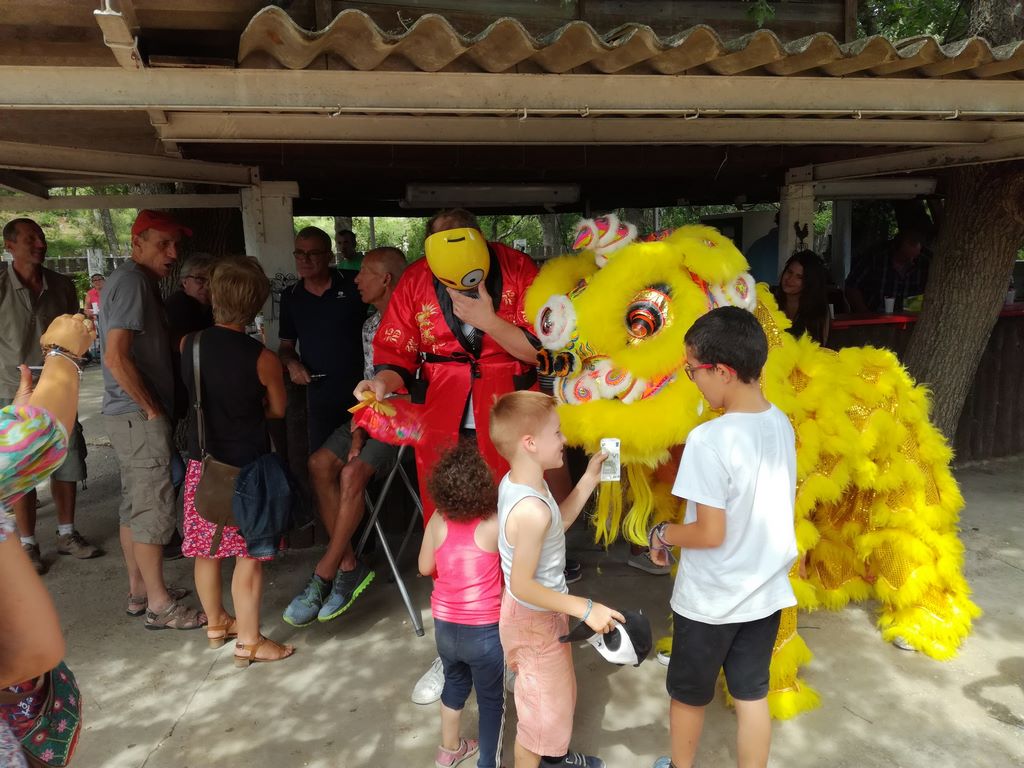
{"x":469,"y":346}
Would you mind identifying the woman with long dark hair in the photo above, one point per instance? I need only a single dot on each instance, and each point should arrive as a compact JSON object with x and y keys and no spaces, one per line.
{"x":802,"y":294}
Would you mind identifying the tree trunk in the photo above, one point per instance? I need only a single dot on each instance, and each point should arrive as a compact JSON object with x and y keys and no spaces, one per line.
{"x":982,"y":229}
{"x":998,"y":21}
{"x":551,"y":243}
{"x":113,"y":246}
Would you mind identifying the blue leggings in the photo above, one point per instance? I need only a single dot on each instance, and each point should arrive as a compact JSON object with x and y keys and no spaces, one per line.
{"x":472,"y":658}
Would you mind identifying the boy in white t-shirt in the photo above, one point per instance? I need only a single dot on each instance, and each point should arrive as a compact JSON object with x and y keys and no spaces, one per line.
{"x":737,"y":540}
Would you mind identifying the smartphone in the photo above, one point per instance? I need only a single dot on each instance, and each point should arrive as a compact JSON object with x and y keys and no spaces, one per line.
{"x":35,"y":370}
{"x":610,"y":468}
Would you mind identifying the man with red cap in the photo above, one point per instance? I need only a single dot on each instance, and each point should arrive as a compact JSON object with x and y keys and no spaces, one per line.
{"x":138,"y":396}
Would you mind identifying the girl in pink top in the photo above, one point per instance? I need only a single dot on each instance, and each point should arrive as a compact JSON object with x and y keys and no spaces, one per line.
{"x":460,"y":550}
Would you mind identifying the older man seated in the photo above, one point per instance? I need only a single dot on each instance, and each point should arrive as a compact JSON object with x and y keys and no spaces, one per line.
{"x":341,"y":469}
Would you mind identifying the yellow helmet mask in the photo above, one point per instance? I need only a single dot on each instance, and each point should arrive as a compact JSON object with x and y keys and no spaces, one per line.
{"x":458,"y":257}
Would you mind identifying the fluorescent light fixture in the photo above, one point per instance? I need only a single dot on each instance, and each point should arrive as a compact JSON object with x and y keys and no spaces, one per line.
{"x":875,"y":189}
{"x":488,"y":195}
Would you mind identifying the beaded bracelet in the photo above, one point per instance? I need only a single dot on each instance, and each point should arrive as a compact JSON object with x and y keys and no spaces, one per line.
{"x":656,"y":541}
{"x":658,"y":532}
{"x":590,"y":606}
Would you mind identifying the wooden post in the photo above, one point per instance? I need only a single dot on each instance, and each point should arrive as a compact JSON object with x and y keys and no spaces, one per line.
{"x":270,"y":237}
{"x":796,"y":211}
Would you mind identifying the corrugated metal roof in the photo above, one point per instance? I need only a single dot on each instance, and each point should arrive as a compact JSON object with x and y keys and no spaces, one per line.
{"x":354,"y":41}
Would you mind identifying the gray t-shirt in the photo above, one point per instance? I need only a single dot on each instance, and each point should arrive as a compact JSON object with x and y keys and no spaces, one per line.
{"x":130,"y":301}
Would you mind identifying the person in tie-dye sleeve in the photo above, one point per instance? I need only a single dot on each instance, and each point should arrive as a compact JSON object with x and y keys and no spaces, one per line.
{"x":33,"y":443}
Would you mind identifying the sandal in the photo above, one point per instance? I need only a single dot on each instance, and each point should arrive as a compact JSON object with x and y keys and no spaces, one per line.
{"x":175,"y":616}
{"x":251,"y":650}
{"x":137,"y":605}
{"x":228,"y":631}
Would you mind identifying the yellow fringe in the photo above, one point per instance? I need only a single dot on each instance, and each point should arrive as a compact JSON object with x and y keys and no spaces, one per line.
{"x":608,"y":514}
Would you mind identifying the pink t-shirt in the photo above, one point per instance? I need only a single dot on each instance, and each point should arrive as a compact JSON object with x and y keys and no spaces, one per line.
{"x":92,"y":297}
{"x":468,"y":585}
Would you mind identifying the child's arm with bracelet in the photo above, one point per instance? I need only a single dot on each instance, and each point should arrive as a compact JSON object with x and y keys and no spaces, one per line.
{"x":706,"y":532}
{"x":526,"y":527}
{"x":574,"y":502}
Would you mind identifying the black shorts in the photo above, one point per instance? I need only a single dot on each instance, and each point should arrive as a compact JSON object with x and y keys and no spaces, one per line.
{"x":700,"y":650}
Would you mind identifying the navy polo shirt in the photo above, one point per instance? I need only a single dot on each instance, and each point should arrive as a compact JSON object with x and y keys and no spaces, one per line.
{"x":327,"y":328}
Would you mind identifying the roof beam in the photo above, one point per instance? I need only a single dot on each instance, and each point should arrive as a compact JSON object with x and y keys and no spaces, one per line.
{"x":15,"y":182}
{"x":917,"y":160}
{"x":119,"y":26}
{"x":37,"y":157}
{"x":193,"y":127}
{"x":331,"y":91}
{"x":89,"y":202}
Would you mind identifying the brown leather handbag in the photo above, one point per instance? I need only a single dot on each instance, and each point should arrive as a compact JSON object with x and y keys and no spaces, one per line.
{"x":216,"y":487}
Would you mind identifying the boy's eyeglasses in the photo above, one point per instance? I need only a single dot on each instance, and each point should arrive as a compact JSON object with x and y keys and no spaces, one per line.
{"x":691,"y":369}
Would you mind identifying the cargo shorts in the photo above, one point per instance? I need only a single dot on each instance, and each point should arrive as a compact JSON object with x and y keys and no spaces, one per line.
{"x":143,"y":450}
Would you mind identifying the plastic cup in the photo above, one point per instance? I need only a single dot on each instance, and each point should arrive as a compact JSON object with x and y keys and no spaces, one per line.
{"x":890,"y":304}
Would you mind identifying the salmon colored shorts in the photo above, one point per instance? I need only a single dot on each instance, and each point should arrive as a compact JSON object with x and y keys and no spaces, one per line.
{"x":545,"y":692}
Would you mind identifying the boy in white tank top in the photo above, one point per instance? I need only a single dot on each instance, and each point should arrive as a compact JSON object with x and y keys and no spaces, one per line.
{"x":535,"y":609}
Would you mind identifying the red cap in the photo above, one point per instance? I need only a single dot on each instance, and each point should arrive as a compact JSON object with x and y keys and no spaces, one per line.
{"x":157,"y":220}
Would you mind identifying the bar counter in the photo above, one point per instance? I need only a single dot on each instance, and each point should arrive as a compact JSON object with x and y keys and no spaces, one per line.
{"x":992,"y":421}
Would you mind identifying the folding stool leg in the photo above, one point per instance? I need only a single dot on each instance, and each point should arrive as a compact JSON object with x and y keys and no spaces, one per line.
{"x":414,"y":493}
{"x":375,"y":509}
{"x":413,"y":613}
{"x":373,"y":522}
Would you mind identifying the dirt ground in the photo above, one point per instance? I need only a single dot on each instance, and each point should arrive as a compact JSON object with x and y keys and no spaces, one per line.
{"x":162,"y":699}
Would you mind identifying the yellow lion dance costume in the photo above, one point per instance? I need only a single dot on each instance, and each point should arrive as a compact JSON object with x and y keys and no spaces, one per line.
{"x":876,"y":504}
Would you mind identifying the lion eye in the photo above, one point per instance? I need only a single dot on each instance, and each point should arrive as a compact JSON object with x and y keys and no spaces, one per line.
{"x":648,"y":313}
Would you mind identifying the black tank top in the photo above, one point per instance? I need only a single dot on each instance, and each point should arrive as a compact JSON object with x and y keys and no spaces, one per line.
{"x":236,"y":426}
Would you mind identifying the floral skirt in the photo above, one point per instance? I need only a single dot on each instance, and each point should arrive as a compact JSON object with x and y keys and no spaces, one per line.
{"x":199,"y":532}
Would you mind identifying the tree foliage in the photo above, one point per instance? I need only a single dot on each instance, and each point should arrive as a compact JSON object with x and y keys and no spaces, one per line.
{"x":898,"y":19}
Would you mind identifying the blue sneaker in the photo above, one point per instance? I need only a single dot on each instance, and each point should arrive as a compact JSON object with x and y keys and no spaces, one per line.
{"x":302,"y":611}
{"x":663,"y":762}
{"x":348,"y":585}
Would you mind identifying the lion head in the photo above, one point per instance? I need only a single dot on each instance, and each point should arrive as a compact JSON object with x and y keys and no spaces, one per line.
{"x":612,"y":319}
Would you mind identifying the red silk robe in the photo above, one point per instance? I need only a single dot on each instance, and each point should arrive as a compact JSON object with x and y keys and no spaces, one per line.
{"x":415,"y":325}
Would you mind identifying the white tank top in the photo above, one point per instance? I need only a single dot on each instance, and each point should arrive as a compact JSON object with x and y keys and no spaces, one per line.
{"x":551,"y":565}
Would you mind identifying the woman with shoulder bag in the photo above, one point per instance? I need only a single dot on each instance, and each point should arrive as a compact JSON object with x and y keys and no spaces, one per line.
{"x":242,"y":385}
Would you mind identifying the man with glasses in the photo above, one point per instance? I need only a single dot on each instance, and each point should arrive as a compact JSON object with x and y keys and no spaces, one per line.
{"x":321,"y":325}
{"x":188,"y":310}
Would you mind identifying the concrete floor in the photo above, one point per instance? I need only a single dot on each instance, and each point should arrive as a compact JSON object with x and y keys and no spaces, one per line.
{"x":162,"y":699}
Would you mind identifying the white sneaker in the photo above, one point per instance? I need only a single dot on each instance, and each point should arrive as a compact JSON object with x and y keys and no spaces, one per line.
{"x":903,"y":644}
{"x":664,"y":658}
{"x":428,"y":688}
